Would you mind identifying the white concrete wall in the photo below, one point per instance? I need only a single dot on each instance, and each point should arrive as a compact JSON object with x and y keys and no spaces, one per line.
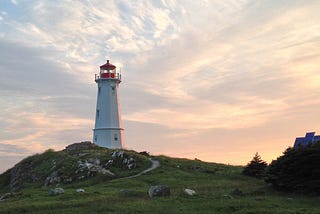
{"x":108,"y":130}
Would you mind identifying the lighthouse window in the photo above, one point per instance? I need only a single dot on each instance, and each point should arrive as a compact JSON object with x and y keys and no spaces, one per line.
{"x":95,"y":138}
{"x":99,"y":89}
{"x":97,"y":113}
{"x":115,"y":137}
{"x":112,"y":87}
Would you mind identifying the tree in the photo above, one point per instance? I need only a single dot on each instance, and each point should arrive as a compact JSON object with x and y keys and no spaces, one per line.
{"x":297,"y":170}
{"x":256,"y":167}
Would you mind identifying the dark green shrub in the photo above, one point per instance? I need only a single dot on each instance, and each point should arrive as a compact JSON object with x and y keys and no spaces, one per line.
{"x":256,"y":167}
{"x":297,"y":170}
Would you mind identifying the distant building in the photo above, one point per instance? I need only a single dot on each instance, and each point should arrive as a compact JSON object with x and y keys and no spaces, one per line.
{"x":309,"y":138}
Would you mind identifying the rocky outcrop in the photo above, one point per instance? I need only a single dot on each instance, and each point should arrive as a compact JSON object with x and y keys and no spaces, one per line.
{"x":159,"y":191}
{"x":20,"y":173}
{"x":81,"y":145}
{"x":92,"y":166}
{"x":77,"y":162}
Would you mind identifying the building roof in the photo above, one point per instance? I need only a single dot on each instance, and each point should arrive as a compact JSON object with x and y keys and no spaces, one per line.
{"x":304,"y":141}
{"x":107,"y":66}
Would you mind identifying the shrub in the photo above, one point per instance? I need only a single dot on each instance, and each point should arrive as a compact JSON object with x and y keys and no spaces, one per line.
{"x":297,"y":170}
{"x":256,"y":167}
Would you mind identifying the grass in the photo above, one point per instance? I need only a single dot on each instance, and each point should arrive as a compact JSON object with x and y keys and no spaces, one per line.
{"x":216,"y":186}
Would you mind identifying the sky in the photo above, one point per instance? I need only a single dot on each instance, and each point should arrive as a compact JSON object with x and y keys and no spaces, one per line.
{"x":213,"y":80}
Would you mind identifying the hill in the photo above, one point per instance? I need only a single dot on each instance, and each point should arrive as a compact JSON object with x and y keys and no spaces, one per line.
{"x":219,"y":188}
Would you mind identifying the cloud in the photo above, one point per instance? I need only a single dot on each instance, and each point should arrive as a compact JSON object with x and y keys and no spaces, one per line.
{"x":192,"y":72}
{"x":12,"y":149}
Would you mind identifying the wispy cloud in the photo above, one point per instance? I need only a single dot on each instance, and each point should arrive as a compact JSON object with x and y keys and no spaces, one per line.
{"x":192,"y":71}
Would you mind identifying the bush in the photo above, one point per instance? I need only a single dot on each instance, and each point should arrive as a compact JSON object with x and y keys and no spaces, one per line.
{"x":297,"y":170}
{"x":256,"y":167}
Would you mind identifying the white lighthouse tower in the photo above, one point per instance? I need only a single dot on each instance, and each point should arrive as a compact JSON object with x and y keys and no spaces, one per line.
{"x":108,"y":131}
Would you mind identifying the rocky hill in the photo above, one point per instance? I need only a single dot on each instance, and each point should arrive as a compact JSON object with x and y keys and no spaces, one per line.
{"x":78,"y":162}
{"x":85,"y":179}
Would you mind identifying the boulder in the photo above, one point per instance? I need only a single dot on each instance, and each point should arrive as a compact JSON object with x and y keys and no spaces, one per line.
{"x":189,"y":191}
{"x":56,"y":191}
{"x":80,"y":190}
{"x":158,"y":191}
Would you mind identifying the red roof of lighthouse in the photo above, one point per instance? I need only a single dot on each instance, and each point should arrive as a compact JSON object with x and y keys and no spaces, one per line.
{"x":107,"y":66}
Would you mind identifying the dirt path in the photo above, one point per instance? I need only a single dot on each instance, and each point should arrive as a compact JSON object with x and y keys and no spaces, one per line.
{"x":155,"y":164}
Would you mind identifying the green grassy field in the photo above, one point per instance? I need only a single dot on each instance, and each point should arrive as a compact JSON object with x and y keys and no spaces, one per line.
{"x":220,"y":189}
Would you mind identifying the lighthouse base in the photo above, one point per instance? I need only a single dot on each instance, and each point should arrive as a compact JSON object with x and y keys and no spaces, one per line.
{"x":111,"y":138}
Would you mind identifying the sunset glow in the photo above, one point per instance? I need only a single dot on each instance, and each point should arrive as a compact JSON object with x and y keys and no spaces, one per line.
{"x":213,"y":80}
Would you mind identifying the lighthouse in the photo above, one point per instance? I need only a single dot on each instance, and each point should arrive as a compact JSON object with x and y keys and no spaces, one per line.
{"x":108,"y":131}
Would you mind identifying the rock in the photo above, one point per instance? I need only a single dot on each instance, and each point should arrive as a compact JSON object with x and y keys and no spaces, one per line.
{"x":9,"y":195}
{"x":109,"y":163}
{"x":5,"y":196}
{"x":56,"y":191}
{"x":68,"y":180}
{"x":16,"y":178}
{"x":120,"y":154}
{"x":124,"y":192}
{"x":80,"y":190}
{"x":189,"y":192}
{"x":114,"y":154}
{"x":131,"y":165}
{"x":34,"y":177}
{"x":81,"y":177}
{"x":145,"y":153}
{"x":94,"y":161}
{"x":227,"y":196}
{"x":158,"y":191}
{"x":79,"y":146}
{"x":54,"y":178}
{"x":125,"y":161}
{"x":105,"y":171}
{"x":131,"y":160}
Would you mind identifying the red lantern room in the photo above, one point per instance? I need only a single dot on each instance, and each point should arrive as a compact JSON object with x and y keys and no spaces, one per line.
{"x":108,"y":71}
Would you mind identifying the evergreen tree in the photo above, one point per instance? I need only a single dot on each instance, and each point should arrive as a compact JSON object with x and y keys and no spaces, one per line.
{"x":256,"y":167}
{"x":297,"y":170}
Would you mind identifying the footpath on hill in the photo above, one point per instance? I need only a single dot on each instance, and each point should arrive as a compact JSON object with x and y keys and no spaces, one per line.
{"x":155,"y":164}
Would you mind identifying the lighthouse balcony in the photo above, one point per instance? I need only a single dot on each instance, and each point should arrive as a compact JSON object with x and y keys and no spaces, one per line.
{"x":108,"y":75}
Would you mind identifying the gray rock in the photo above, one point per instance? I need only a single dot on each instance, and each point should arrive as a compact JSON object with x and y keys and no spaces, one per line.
{"x":56,"y":191}
{"x":131,"y":165}
{"x":80,"y":190}
{"x":189,"y":191}
{"x":120,"y":154}
{"x":105,"y":171}
{"x":158,"y":191}
{"x":81,"y":177}
{"x":114,"y":154}
{"x":5,"y":196}
{"x":54,"y":178}
{"x":109,"y":163}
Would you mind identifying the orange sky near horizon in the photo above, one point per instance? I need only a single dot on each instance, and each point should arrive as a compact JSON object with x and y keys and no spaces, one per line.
{"x":218,"y":81}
